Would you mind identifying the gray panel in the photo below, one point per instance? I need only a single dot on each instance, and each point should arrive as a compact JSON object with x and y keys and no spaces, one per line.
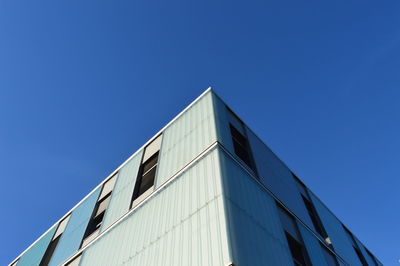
{"x":336,"y":233}
{"x":33,"y":256}
{"x":71,"y":238}
{"x":182,"y":224}
{"x":122,"y":192}
{"x":186,"y":138}
{"x":278,"y":178}
{"x":255,"y":230}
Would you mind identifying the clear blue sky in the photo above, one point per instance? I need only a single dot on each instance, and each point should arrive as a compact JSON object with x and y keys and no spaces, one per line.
{"x":83,"y":84}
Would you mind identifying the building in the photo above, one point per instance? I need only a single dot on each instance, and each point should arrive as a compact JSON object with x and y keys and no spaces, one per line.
{"x":205,"y":190}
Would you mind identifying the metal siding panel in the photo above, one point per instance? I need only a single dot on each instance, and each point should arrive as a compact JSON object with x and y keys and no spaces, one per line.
{"x":222,"y":123}
{"x":122,"y":192}
{"x":255,"y":231}
{"x":186,"y":138}
{"x":275,"y":175}
{"x":182,"y":224}
{"x":336,"y":233}
{"x":33,"y":256}
{"x":313,"y":246}
{"x":73,"y":233}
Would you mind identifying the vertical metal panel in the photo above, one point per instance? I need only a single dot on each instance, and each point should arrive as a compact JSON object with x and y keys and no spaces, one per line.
{"x":122,"y":192}
{"x":33,"y":256}
{"x":182,"y":224}
{"x":313,"y":246}
{"x":73,"y":233}
{"x":186,"y":138}
{"x":278,"y":178}
{"x":336,"y":233}
{"x":222,"y":123}
{"x":255,"y":230}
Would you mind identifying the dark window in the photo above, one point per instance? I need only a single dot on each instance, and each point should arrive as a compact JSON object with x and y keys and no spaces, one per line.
{"x":53,"y":243}
{"x":241,"y":146}
{"x":97,"y":217}
{"x":371,"y":257}
{"x":148,"y":168}
{"x":329,"y":257}
{"x":360,"y":256}
{"x":49,"y":252}
{"x":315,"y":218}
{"x":355,"y":246}
{"x":93,"y":227}
{"x":293,"y":237}
{"x":297,"y":250}
{"x":147,"y":174}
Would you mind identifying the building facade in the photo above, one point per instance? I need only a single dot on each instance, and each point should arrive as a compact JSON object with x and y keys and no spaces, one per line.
{"x":205,"y":190}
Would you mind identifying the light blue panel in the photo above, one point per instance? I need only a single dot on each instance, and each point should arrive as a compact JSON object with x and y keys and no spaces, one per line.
{"x":278,"y":178}
{"x":73,"y":233}
{"x":188,"y":136}
{"x":340,"y":241}
{"x":313,"y":246}
{"x":122,"y":193}
{"x":255,"y":230}
{"x":222,"y":123}
{"x":182,"y":224}
{"x":33,"y":256}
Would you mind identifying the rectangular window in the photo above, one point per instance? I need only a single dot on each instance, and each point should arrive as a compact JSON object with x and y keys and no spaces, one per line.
{"x":355,"y":246}
{"x":329,"y":257}
{"x":241,"y":146}
{"x":315,"y":219}
{"x":371,"y":257}
{"x":293,"y":237}
{"x":53,"y":243}
{"x":93,"y":227}
{"x":148,"y":169}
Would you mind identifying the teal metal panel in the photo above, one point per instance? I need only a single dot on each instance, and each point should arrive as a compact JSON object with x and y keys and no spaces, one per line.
{"x":122,"y":193}
{"x":340,"y":241}
{"x":73,"y":233}
{"x":255,"y":231}
{"x":313,"y":246}
{"x":274,"y":174}
{"x":188,"y":136}
{"x":181,"y":224}
{"x":33,"y":256}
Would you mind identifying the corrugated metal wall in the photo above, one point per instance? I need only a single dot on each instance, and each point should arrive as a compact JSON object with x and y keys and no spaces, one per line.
{"x":182,"y":224}
{"x":33,"y":256}
{"x":272,"y":172}
{"x":336,"y":233}
{"x":122,"y":193}
{"x":278,"y":178}
{"x":255,"y":230}
{"x":186,"y":138}
{"x":73,"y":233}
{"x":313,"y":246}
